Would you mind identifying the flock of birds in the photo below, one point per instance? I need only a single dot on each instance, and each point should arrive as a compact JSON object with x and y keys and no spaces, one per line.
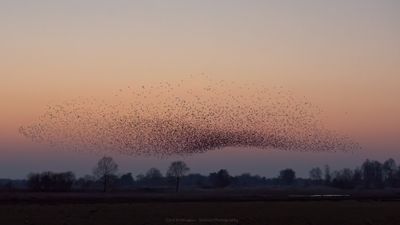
{"x":187,"y":117}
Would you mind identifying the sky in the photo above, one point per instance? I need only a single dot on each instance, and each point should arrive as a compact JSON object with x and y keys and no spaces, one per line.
{"x":343,"y":56}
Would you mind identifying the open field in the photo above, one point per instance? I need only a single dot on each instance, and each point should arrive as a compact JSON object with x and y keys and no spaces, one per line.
{"x":157,"y":213}
{"x":195,"y":195}
{"x":252,"y":207}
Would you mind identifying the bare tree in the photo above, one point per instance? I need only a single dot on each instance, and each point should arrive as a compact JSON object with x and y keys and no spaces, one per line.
{"x":389,"y":169}
{"x":372,"y":174}
{"x":316,"y":175}
{"x":177,"y":169}
{"x":105,"y":169}
{"x":327,"y":174}
{"x":343,"y":179}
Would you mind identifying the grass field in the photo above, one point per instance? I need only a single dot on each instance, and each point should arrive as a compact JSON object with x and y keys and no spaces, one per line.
{"x":347,"y":212}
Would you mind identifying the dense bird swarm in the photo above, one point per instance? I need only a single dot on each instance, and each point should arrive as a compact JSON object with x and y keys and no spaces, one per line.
{"x":190,"y":116}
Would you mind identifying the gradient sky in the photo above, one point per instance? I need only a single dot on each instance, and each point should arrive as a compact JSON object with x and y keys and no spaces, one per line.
{"x":343,"y":55}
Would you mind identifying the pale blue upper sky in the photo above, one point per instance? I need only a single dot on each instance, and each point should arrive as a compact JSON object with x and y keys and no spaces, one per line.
{"x":344,"y":55}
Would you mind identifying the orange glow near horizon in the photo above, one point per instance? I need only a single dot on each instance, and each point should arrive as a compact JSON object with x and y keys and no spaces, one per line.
{"x":343,"y":56}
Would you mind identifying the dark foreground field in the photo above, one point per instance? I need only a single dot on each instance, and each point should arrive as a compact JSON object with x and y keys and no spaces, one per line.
{"x":258,"y":213}
{"x":257,"y":207}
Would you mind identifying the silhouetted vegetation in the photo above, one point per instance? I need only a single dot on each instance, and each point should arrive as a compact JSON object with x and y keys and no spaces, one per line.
{"x":287,"y":176}
{"x":220,"y":179}
{"x":105,"y":171}
{"x":49,"y":181}
{"x":126,"y":180}
{"x":316,"y":176}
{"x":177,"y":169}
{"x":371,"y":174}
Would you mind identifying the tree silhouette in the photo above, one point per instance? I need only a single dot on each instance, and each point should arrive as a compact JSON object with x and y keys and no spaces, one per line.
{"x":343,"y":179}
{"x":177,"y":169}
{"x":105,"y":169}
{"x":389,"y":168}
{"x":126,"y":179}
{"x":49,"y":181}
{"x":316,"y":175}
{"x":86,"y":182}
{"x":34,"y":181}
{"x":220,"y":179}
{"x":287,"y":176}
{"x":372,"y":174}
{"x":357,"y":176}
{"x":153,"y":176}
{"x":327,"y":175}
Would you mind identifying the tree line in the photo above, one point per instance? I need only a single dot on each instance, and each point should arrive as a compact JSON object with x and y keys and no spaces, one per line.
{"x":371,"y":174}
